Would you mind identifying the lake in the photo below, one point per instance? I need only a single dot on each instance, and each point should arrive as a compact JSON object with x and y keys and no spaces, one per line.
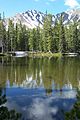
{"x":40,"y":88}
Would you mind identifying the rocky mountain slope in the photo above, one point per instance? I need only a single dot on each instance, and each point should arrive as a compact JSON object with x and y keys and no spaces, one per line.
{"x":33,"y":18}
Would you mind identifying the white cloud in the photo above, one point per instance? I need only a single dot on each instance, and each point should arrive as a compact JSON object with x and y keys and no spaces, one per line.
{"x":72,"y":3}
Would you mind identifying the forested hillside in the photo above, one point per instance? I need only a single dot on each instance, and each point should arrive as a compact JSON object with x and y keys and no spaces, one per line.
{"x":49,"y":38}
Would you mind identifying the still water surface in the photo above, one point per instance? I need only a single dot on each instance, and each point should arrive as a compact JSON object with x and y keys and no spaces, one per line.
{"x":40,"y":88}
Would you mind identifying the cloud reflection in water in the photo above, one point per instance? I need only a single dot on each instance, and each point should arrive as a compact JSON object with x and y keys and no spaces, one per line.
{"x":40,"y":107}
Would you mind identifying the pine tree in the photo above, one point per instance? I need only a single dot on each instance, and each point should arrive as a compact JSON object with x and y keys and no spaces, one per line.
{"x":47,"y":33}
{"x":55,"y":41}
{"x":31,"y":41}
{"x":75,"y":37}
{"x":11,"y":42}
{"x":78,"y":37}
{"x":27,"y":40}
{"x":62,"y":40}
{"x":2,"y":35}
{"x":23,"y":41}
{"x":69,"y":37}
{"x":35,"y":42}
{"x":38,"y":39}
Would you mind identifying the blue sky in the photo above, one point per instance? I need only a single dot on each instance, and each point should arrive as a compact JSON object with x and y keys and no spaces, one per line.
{"x":11,"y":7}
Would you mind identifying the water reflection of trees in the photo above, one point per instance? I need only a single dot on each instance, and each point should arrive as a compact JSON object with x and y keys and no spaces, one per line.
{"x":5,"y":114}
{"x":40,"y":72}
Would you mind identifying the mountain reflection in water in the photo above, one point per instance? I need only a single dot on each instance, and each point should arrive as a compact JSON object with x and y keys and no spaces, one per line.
{"x":40,"y":72}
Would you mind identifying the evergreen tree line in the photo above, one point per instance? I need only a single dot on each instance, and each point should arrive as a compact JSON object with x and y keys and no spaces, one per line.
{"x":50,"y":38}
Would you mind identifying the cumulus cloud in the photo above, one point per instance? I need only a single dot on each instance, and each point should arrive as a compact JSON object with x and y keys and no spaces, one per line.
{"x":72,"y":3}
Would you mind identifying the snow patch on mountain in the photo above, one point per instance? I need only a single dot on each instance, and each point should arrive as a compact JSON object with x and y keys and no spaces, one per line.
{"x":33,"y":18}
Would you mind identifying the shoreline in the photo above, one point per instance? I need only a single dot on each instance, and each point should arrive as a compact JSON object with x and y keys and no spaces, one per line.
{"x":39,"y":54}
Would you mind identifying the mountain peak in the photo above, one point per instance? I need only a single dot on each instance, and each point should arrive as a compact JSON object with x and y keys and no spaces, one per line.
{"x":33,"y":18}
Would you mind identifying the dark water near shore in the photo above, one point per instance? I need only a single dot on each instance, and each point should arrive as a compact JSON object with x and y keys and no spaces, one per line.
{"x":40,"y":88}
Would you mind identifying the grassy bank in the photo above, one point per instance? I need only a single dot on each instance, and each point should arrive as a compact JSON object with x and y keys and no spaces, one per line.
{"x":42,"y":54}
